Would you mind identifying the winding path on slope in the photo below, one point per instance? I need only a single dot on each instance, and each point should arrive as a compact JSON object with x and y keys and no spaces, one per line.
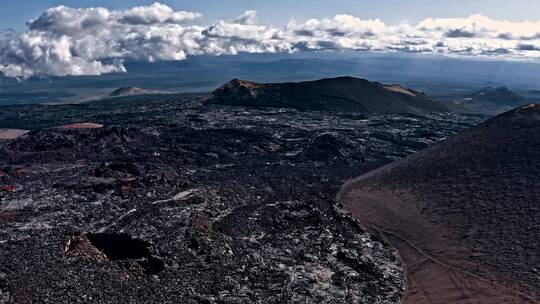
{"x":437,"y":267}
{"x":464,"y":214}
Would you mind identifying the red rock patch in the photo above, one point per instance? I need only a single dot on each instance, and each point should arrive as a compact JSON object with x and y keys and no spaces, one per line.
{"x":8,"y":188}
{"x":82,"y":125}
{"x":7,"y":216}
{"x":6,"y":134}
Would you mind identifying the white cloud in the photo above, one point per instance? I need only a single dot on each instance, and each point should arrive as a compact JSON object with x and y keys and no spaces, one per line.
{"x":155,"y":13}
{"x":62,"y":20}
{"x":93,"y":41}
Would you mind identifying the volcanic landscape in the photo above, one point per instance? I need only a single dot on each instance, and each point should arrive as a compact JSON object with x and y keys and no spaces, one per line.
{"x":464,"y":214}
{"x":193,"y":199}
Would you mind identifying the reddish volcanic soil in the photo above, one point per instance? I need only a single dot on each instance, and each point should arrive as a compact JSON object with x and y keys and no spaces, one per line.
{"x":464,"y":215}
{"x":83,"y":125}
{"x":11,"y":133}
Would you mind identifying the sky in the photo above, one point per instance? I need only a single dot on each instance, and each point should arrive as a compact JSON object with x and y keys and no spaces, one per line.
{"x":93,"y":37}
{"x":14,"y":14}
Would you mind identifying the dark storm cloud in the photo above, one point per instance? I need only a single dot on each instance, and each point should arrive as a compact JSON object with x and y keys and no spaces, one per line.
{"x":528,"y":47}
{"x":459,"y":33}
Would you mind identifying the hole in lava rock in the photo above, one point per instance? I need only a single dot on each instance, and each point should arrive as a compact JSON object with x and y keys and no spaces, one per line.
{"x":120,"y":246}
{"x":152,"y":265}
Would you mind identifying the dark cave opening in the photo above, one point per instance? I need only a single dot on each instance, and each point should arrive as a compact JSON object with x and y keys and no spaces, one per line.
{"x":120,"y":246}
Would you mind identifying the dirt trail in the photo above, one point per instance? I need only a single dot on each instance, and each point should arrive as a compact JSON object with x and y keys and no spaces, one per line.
{"x":438,"y":270}
{"x":463,"y":214}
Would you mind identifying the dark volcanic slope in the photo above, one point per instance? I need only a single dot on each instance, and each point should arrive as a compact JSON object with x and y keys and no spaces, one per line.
{"x":464,"y":214}
{"x":344,"y":94}
{"x":127,"y":91}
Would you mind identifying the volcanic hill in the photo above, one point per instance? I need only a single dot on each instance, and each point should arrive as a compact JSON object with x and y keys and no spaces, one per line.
{"x":500,"y":96}
{"x":343,"y":94}
{"x":463,"y":214}
{"x":127,"y":91}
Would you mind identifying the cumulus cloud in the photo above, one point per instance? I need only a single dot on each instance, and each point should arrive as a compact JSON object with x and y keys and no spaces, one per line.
{"x":93,"y":41}
{"x":156,"y":13}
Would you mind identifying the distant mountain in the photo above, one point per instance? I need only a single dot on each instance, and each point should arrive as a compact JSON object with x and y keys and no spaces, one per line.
{"x":127,"y":91}
{"x":500,"y":96}
{"x":490,"y":100}
{"x":343,"y":94}
{"x":435,"y":75}
{"x":532,"y":95}
{"x":463,"y":212}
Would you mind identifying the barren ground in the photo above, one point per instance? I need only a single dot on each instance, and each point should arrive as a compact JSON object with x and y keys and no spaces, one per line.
{"x":174,"y":202}
{"x":464,"y":214}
